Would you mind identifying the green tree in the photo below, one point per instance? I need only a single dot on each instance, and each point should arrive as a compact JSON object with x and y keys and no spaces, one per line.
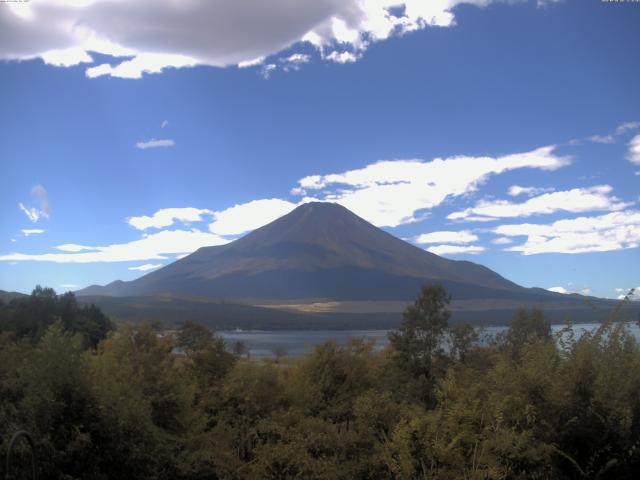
{"x":420,"y":337}
{"x":527,"y":327}
{"x":206,"y":353}
{"x":30,"y":317}
{"x":462,"y":339}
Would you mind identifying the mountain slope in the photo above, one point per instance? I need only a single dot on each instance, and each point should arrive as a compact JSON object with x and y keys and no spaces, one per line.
{"x":319,"y":251}
{"x":8,"y":296}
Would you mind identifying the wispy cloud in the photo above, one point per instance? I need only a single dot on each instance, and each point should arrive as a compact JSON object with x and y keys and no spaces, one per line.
{"x":168,"y":216}
{"x":502,"y":241}
{"x":153,"y":143}
{"x":146,"y":267}
{"x":627,"y":127}
{"x":558,"y":289}
{"x":451,"y":242}
{"x":32,"y":213}
{"x":32,"y":231}
{"x":251,"y":63}
{"x":232,"y":221}
{"x":157,"y":246}
{"x":267,"y":70}
{"x":72,"y":247}
{"x":633,"y":155}
{"x":611,"y":137}
{"x":601,"y":139}
{"x":516,"y":190}
{"x":613,"y":231}
{"x":391,"y":193}
{"x":248,"y":216}
{"x":41,"y":209}
{"x":456,"y":249}
{"x":343,"y":57}
{"x":576,"y":200}
{"x":461,"y":236}
{"x":295,"y":61}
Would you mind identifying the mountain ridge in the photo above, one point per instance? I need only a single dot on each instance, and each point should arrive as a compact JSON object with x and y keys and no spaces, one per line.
{"x":319,"y":251}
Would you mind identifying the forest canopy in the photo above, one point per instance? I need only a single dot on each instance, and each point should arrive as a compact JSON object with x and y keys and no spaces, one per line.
{"x":437,"y":403}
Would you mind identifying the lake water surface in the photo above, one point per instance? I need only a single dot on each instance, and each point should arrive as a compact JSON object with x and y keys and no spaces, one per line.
{"x":298,"y":342}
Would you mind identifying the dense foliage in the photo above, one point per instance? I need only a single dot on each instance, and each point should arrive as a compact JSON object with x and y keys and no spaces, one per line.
{"x":32,"y":316}
{"x":436,"y":404}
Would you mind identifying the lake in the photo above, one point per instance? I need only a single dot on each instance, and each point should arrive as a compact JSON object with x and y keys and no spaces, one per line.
{"x":298,"y":342}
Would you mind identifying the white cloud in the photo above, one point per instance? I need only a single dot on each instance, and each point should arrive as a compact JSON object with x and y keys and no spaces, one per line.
{"x":456,"y":249}
{"x":151,"y":247}
{"x":13,"y":240}
{"x":72,"y":247}
{"x":166,"y":217}
{"x":576,"y":200}
{"x":232,"y":221}
{"x":516,"y":190}
{"x":612,"y":137}
{"x":390,"y":193}
{"x":31,"y":231}
{"x":342,"y":57}
{"x":141,"y":64}
{"x":613,"y":231}
{"x":602,"y":138}
{"x":251,"y":63}
{"x":66,"y":57}
{"x":146,"y":267}
{"x":42,"y":210}
{"x":295,"y":61}
{"x":558,"y":289}
{"x":164,"y":124}
{"x":633,"y":155}
{"x":69,"y":286}
{"x":157,"y":34}
{"x":627,"y":127}
{"x":463,"y":236}
{"x":501,"y":241}
{"x":32,"y":214}
{"x":244,"y":217}
{"x":153,"y":143}
{"x":268,"y":69}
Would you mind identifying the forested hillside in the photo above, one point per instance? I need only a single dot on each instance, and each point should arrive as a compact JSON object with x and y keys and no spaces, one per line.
{"x":138,"y":403}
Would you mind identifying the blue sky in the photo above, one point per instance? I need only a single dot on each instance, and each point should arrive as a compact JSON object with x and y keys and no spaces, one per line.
{"x":505,"y":133}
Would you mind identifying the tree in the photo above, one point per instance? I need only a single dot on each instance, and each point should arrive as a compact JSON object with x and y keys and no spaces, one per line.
{"x":527,"y":327}
{"x":462,"y":338}
{"x":193,"y":337}
{"x":423,"y":324}
{"x":206,"y":352}
{"x":420,"y":335}
{"x":32,"y":316}
{"x":239,"y":348}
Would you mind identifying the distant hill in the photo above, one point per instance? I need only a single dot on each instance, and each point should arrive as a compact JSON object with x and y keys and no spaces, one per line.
{"x":172,"y":310}
{"x":8,"y":296}
{"x":319,"y":251}
{"x":220,"y":315}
